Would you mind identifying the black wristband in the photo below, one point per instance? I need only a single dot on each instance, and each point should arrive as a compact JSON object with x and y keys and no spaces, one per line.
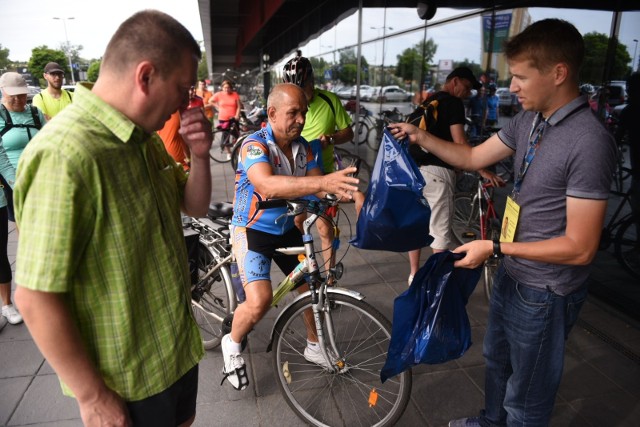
{"x":497,"y":253}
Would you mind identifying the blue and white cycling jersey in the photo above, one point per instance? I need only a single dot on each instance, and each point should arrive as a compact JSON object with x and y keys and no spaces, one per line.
{"x":261,"y":148}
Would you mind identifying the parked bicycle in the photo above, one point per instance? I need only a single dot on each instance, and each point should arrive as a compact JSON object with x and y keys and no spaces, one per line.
{"x":225,"y":138}
{"x":212,"y":293}
{"x":366,"y":122}
{"x":622,"y":231}
{"x":475,"y":217}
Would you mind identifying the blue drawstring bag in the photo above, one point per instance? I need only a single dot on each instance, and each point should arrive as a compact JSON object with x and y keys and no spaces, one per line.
{"x":395,"y":215}
{"x":430,"y":322}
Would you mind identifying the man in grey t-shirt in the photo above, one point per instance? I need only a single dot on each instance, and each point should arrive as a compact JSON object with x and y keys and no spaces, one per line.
{"x":564,"y":160}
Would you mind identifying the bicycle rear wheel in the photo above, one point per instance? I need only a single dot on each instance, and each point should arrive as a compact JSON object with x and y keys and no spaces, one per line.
{"x":374,"y":143}
{"x":364,"y":174}
{"x":320,"y":397}
{"x":221,"y":147}
{"x":491,"y":265}
{"x":627,"y":245}
{"x":360,"y":132}
{"x":466,"y":219}
{"x":212,"y":298}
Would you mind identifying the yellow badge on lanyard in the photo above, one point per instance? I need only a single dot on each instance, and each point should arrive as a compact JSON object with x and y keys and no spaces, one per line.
{"x":510,"y":220}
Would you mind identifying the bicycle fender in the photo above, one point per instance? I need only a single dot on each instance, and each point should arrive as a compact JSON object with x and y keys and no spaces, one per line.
{"x":330,"y":290}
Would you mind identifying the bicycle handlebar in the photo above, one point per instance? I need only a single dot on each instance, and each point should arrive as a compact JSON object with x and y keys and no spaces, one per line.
{"x":270,"y":204}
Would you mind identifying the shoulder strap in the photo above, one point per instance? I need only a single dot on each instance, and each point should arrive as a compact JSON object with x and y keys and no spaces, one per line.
{"x":68,"y":95}
{"x":36,"y":117}
{"x":328,"y":101}
{"x":8,"y":122}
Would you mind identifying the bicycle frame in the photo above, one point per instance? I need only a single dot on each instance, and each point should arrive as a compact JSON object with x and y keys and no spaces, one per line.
{"x":490,"y":213}
{"x":318,"y":289}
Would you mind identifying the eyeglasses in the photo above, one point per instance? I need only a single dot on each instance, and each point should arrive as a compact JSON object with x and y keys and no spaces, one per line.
{"x":59,"y":75}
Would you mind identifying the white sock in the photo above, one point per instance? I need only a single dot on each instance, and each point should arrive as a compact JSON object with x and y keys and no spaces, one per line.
{"x":312,"y":345}
{"x":232,"y":346}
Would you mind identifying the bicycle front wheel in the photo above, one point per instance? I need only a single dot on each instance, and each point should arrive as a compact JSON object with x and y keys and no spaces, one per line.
{"x":221,"y":146}
{"x":212,"y":298}
{"x":466,"y":219}
{"x":627,"y":244}
{"x":354,"y":396}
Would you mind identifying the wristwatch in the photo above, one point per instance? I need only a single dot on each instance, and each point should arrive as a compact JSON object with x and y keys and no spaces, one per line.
{"x":497,"y":253}
{"x":332,"y":140}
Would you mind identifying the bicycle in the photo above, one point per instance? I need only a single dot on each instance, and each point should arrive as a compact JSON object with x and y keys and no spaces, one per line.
{"x":366,"y":122}
{"x":349,"y":392}
{"x":225,"y":138}
{"x":622,"y":231}
{"x":343,"y":159}
{"x":212,"y":293}
{"x":475,"y":217}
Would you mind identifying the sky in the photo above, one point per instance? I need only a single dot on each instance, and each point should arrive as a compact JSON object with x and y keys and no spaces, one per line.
{"x":460,"y":40}
{"x":29,"y":23}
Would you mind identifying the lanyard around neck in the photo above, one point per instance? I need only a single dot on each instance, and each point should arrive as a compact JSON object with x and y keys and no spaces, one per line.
{"x":535,"y":137}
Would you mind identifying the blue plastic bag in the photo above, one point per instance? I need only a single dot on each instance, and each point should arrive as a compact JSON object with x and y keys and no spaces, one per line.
{"x":395,"y":215}
{"x":430,"y":322}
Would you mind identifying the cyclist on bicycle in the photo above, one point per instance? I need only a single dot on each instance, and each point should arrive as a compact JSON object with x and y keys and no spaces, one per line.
{"x":327,"y":122}
{"x":229,"y":107}
{"x":275,"y":162}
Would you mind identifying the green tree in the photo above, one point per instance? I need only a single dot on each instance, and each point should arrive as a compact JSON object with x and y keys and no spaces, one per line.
{"x":347,"y":69}
{"x":203,"y":69}
{"x":41,"y":55}
{"x":93,"y":71}
{"x":596,"y":45}
{"x":413,"y":62}
{"x":319,"y":67}
{"x":476,"y":69}
{"x":4,"y":57}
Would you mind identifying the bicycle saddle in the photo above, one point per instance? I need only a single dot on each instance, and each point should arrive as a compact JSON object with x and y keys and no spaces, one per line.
{"x":222,"y":210}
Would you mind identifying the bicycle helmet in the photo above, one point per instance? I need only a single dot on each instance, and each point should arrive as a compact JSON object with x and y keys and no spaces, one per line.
{"x":297,"y":71}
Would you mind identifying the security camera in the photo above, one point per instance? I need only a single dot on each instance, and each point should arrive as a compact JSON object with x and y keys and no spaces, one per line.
{"x":427,"y":9}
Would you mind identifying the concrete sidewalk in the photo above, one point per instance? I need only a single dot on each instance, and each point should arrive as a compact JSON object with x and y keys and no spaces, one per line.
{"x":600,"y":386}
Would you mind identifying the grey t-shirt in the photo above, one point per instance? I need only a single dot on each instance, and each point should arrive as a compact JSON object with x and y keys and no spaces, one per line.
{"x":575,"y":158}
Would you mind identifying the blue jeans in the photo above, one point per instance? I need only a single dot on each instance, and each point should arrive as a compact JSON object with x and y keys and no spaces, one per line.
{"x":524,"y":351}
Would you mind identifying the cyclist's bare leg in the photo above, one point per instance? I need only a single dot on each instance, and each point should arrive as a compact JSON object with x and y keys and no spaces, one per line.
{"x":259,"y":295}
{"x":309,"y":322}
{"x":325,"y":230}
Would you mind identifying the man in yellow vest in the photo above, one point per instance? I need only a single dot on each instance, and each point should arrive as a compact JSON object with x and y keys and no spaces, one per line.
{"x":53,"y":99}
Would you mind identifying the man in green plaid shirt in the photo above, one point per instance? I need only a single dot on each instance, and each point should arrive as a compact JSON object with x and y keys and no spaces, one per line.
{"x":102,"y":275}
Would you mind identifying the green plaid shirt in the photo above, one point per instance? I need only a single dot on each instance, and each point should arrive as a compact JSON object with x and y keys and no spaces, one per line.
{"x":98,"y":206}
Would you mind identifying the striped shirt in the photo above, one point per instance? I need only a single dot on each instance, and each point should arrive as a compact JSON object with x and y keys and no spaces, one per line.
{"x":97,"y":203}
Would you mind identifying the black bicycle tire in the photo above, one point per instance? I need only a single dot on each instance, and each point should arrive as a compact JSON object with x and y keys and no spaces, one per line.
{"x":289,"y":334}
{"x":627,"y":248}
{"x":217,"y":152}
{"x":374,"y":143}
{"x":490,"y":265}
{"x":364,"y":174}
{"x":465,"y":223}
{"x":235,"y":153}
{"x":212,"y":304}
{"x":360,"y":135}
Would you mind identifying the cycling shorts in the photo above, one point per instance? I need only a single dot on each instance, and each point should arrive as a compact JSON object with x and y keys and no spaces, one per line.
{"x":255,"y":249}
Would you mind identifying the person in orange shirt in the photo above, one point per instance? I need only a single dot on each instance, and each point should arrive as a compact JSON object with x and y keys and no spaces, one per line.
{"x":206,"y":95}
{"x":173,"y":142}
{"x":227,"y":102}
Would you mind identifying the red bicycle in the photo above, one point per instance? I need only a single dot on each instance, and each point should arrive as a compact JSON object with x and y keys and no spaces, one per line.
{"x":475,"y":217}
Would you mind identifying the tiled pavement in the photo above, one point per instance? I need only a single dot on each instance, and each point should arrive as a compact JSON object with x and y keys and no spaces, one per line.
{"x":600,"y":386}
